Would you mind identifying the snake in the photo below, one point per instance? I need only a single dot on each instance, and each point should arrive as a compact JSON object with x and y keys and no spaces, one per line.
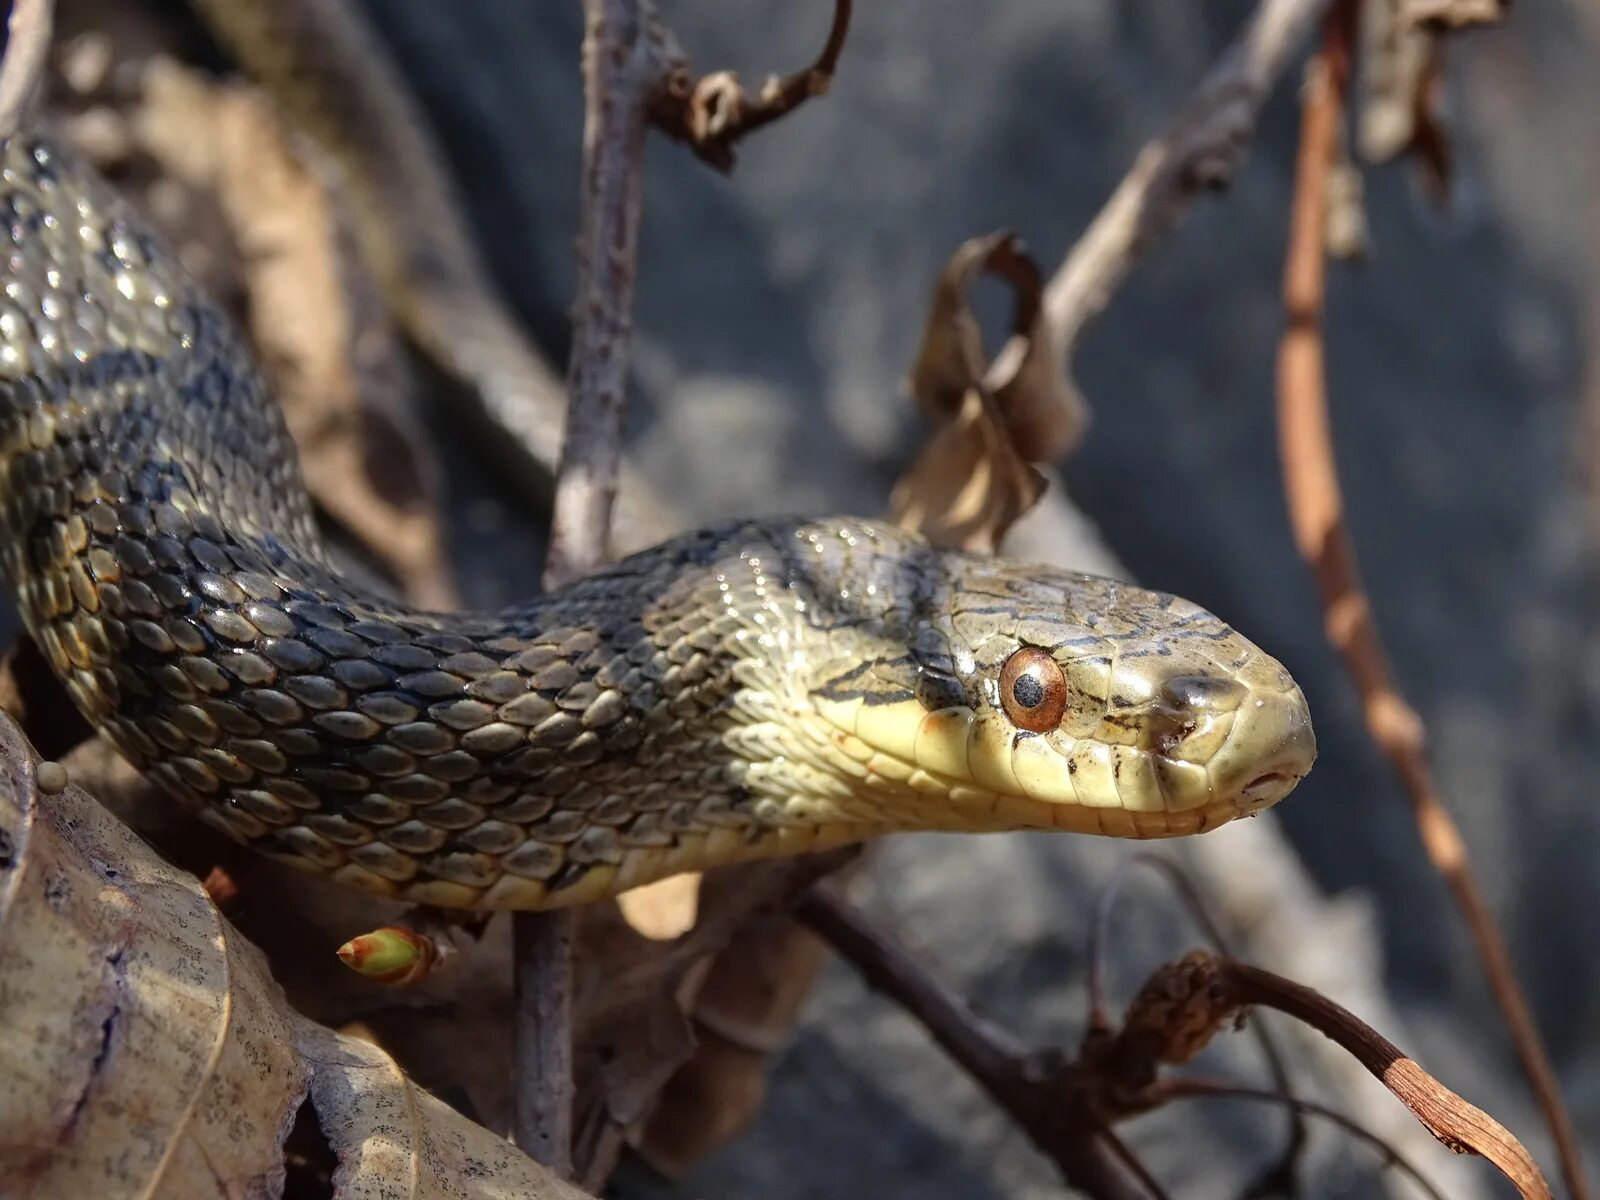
{"x":753,"y":689}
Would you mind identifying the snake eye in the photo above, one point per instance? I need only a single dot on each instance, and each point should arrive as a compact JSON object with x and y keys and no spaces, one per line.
{"x":1032,"y":690}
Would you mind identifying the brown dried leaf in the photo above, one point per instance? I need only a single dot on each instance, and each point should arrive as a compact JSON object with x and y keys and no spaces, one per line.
{"x":1042,"y":413}
{"x":745,"y":1011}
{"x":632,"y":994}
{"x":969,"y":485}
{"x":973,"y":479}
{"x":147,"y":1050}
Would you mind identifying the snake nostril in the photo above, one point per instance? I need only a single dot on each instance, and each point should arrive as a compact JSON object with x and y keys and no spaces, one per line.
{"x":1202,"y":693}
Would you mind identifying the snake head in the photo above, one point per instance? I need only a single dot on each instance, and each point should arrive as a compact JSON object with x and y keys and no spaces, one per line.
{"x":1027,"y":697}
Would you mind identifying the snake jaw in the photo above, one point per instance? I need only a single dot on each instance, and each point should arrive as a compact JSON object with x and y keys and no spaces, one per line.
{"x":1190,"y":747}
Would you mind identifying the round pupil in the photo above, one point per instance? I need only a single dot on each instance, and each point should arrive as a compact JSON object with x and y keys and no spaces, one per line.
{"x":1027,"y":690}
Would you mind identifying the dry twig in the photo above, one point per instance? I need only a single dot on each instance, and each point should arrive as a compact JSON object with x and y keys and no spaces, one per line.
{"x":1198,"y":153}
{"x":1316,"y":510}
{"x":1068,"y":1105}
{"x":1461,"y":1126}
{"x":1058,"y":1118}
{"x":27,"y":52}
{"x":1280,"y":1176}
{"x":624,"y":66}
{"x":1191,"y":1088}
{"x":714,"y":113}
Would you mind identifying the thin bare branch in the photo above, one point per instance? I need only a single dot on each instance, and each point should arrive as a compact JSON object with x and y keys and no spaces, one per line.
{"x":27,"y":54}
{"x":714,"y":113}
{"x":1189,"y":1088}
{"x":624,"y":66}
{"x":1100,"y":1023}
{"x":1035,"y":1090}
{"x":1198,"y":153}
{"x":987,"y":1052}
{"x":626,"y":60}
{"x":1460,"y":1125}
{"x":1316,"y":511}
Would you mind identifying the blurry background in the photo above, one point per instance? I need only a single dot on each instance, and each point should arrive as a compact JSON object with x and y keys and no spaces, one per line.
{"x":778,"y":311}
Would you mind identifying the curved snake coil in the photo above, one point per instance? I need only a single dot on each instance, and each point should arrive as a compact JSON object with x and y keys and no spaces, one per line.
{"x":753,"y":689}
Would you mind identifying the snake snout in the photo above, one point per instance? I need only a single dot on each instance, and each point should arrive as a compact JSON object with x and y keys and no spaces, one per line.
{"x":1192,"y":694}
{"x":1269,"y":750}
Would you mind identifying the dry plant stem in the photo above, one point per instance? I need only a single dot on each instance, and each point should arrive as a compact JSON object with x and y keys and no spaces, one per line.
{"x":26,"y":56}
{"x":623,"y":67}
{"x":1197,"y":153}
{"x":1061,"y":1124}
{"x":1316,"y":511}
{"x":1100,"y":1019}
{"x":1461,"y":1126}
{"x":1189,"y":1088}
{"x":783,"y":96}
{"x":542,"y":1089}
{"x":715,"y":113}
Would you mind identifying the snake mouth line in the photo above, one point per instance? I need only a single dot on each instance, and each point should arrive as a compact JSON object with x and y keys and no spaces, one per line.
{"x":1266,"y":783}
{"x":959,"y":769}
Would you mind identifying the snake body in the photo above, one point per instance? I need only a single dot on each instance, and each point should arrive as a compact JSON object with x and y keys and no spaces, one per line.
{"x":752,"y":689}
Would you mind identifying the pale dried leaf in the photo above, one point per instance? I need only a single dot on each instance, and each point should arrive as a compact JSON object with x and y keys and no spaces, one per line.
{"x":394,"y":1139}
{"x":664,"y":909}
{"x":148,"y":1051}
{"x":140,"y":1039}
{"x":969,"y":485}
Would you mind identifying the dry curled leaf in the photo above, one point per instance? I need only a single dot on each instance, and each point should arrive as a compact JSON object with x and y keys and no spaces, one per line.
{"x":973,"y":479}
{"x":969,"y":485}
{"x":148,"y":1051}
{"x":634,"y":996}
{"x":1041,"y":412}
{"x":744,"y":1013}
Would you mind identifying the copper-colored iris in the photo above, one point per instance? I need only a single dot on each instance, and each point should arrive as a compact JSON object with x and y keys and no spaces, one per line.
{"x":1032,"y":690}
